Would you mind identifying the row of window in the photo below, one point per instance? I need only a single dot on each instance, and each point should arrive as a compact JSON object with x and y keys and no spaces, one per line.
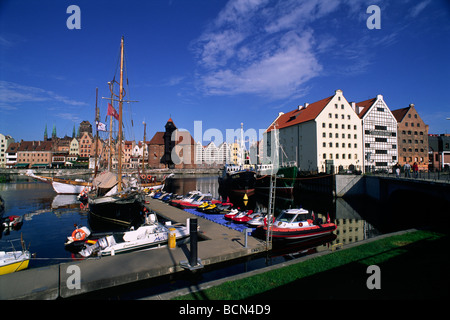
{"x":337,"y":156}
{"x":330,"y":144}
{"x":412,"y":124}
{"x":336,"y":126}
{"x":410,"y":132}
{"x":415,"y":150}
{"x":336,"y":116}
{"x":336,"y":135}
{"x":415,"y":141}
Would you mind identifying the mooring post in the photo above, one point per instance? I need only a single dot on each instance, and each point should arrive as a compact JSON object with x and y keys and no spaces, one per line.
{"x":194,"y":241}
{"x":194,"y":262}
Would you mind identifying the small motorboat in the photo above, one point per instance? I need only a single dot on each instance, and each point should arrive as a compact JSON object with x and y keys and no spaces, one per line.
{"x":197,"y":201}
{"x":12,"y":222}
{"x":257,"y":220}
{"x":149,"y":235}
{"x":297,"y":224}
{"x":231,"y":214}
{"x":243,"y":217}
{"x":12,"y":261}
{"x":206,"y":206}
{"x":187,"y":198}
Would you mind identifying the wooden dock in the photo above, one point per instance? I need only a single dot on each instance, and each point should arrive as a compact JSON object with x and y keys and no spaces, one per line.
{"x":218,"y":244}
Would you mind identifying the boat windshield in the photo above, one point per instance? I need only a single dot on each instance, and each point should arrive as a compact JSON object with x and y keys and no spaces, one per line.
{"x":291,"y":218}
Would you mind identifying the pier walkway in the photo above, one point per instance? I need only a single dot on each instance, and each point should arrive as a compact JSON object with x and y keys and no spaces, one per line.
{"x":217,"y":243}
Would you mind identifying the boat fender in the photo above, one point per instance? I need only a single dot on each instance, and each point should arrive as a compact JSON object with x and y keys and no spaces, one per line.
{"x":300,"y":224}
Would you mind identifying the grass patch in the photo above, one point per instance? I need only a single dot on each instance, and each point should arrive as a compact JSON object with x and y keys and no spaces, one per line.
{"x":397,"y":257}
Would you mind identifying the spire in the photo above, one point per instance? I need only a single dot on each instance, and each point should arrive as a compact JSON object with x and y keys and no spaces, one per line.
{"x":45,"y":133}
{"x":54,"y":132}
{"x":73,"y":132}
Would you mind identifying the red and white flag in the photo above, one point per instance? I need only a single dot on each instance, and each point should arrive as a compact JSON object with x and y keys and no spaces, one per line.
{"x":112,"y":111}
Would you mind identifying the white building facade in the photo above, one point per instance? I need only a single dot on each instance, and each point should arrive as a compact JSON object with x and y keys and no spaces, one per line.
{"x":324,"y":136}
{"x":379,"y":129}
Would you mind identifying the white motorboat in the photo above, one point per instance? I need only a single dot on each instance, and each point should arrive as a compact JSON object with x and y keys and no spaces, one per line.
{"x":149,"y":235}
{"x":257,"y":221}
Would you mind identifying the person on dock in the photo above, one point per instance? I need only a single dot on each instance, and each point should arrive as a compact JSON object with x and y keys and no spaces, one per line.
{"x":407,"y":169}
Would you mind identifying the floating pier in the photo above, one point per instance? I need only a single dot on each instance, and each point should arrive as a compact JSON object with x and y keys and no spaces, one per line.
{"x":217,"y":243}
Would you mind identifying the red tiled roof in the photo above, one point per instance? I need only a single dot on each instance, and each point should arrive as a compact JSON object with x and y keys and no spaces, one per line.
{"x":158,"y":138}
{"x":399,"y":114}
{"x":303,"y":115}
{"x":366,"y":106}
{"x":35,"y":146}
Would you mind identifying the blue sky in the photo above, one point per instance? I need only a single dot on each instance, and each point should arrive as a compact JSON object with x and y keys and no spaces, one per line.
{"x":216,"y":61}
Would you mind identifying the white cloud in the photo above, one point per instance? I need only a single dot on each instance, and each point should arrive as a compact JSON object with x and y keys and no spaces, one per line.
{"x":11,"y":92}
{"x":416,"y":10}
{"x":261,"y":47}
{"x":277,"y":74}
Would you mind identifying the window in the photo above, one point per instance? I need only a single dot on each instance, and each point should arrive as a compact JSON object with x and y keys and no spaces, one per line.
{"x":323,"y":124}
{"x":324,"y":135}
{"x":329,"y":115}
{"x":324,"y":155}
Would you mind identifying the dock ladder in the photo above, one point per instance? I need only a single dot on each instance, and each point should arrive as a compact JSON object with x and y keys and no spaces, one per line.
{"x":271,"y":211}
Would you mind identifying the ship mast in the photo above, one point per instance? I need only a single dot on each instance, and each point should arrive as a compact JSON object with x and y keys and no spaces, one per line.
{"x":119,"y":185}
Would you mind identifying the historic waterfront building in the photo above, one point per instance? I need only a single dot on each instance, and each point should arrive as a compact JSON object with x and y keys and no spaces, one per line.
{"x":379,"y":128}
{"x":439,"y":151}
{"x":323,"y":136}
{"x":412,"y":137}
{"x":172,"y":148}
{"x":5,"y":141}
{"x":212,"y":155}
{"x":34,"y":154}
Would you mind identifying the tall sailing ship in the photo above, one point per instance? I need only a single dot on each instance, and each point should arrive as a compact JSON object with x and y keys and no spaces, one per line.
{"x":116,"y":199}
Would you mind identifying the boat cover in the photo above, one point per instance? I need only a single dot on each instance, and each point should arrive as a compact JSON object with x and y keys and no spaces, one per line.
{"x":105,"y":180}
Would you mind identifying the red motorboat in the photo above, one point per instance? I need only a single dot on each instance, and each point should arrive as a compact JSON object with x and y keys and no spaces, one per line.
{"x":298,"y":224}
{"x":189,"y":197}
{"x":196,"y":201}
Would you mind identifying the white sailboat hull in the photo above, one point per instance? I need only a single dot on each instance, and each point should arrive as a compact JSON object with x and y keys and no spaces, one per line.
{"x":65,"y":188}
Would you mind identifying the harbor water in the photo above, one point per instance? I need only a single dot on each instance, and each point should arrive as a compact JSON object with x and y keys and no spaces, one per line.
{"x":48,"y":219}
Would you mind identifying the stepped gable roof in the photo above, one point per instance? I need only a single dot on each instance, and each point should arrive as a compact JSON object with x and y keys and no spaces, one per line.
{"x":158,"y":138}
{"x":399,"y":114}
{"x":366,"y":104}
{"x":300,"y":115}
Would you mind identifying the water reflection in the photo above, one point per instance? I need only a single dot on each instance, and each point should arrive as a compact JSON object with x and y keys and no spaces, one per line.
{"x":49,"y":218}
{"x":351,"y":226}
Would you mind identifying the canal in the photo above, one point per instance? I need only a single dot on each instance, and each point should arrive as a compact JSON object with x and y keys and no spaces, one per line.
{"x":49,"y":218}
